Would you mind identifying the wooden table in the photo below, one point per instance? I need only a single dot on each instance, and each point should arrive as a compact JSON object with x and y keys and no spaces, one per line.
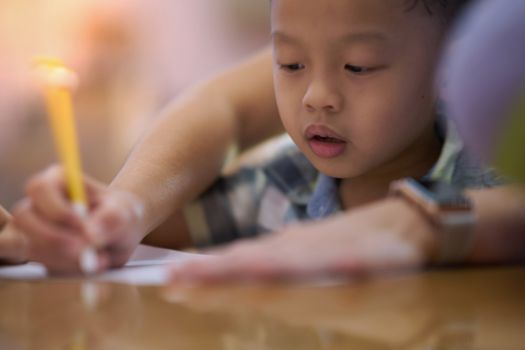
{"x":448,"y":309}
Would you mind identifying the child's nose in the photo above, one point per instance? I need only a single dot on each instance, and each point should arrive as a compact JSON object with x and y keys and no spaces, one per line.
{"x":321,"y":96}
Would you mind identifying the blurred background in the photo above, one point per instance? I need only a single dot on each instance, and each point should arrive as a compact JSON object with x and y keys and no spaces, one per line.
{"x":132,"y":56}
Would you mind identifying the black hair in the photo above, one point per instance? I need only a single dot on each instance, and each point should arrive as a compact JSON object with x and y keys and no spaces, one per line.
{"x":449,"y":9}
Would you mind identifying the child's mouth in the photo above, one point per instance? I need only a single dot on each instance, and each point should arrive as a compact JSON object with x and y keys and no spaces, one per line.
{"x":324,"y":142}
{"x":326,"y":139}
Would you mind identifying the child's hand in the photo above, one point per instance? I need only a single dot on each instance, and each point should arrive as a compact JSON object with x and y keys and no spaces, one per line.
{"x":385,"y":236}
{"x":56,"y":235}
{"x":12,"y":245}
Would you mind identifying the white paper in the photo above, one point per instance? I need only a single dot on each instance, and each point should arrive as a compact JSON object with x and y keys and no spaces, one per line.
{"x":147,"y":266}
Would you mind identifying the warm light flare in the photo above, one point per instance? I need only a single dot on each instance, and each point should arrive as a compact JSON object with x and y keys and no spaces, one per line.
{"x":52,"y":72}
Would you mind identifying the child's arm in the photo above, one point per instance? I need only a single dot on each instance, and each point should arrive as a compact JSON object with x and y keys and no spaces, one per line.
{"x":174,"y":162}
{"x":186,"y":149}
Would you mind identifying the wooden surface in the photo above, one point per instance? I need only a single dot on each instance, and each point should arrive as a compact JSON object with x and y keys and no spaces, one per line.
{"x":456,"y":310}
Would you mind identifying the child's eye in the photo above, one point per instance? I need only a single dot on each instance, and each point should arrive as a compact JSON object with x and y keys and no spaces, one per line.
{"x":293,"y":67}
{"x":356,"y":69}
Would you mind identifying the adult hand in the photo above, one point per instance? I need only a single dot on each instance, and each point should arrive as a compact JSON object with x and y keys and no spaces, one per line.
{"x":385,"y":236}
{"x":56,"y":235}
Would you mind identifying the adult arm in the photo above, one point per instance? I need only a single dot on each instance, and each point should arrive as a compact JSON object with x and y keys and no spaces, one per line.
{"x":385,"y":236}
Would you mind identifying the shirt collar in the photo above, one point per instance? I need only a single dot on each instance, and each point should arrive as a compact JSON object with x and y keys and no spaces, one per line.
{"x":325,"y":199}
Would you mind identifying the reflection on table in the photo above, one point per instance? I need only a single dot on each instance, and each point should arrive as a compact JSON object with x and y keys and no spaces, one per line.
{"x":463,"y":309}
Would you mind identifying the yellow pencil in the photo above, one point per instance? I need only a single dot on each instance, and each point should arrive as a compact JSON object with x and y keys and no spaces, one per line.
{"x":58,"y":82}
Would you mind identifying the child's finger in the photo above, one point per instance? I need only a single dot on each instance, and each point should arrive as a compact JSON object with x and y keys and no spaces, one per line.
{"x":13,"y":245}
{"x":55,"y":246}
{"x":49,"y":197}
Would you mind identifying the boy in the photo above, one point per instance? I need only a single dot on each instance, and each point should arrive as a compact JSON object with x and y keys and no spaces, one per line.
{"x":354,"y":85}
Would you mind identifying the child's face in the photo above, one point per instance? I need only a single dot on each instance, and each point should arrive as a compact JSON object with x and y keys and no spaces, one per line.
{"x":354,"y":80}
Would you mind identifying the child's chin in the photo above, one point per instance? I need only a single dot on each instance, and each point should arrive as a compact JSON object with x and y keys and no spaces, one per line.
{"x":335,"y":168}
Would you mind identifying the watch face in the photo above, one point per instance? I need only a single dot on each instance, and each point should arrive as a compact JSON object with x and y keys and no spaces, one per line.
{"x":444,"y":194}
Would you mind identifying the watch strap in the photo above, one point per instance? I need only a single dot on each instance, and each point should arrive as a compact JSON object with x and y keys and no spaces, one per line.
{"x":456,"y":235}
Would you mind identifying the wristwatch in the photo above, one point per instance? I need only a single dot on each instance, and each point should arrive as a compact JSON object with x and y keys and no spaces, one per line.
{"x":447,"y":208}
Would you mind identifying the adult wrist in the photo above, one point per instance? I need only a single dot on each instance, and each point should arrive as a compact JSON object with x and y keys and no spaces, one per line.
{"x":447,"y":209}
{"x":416,"y":226}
